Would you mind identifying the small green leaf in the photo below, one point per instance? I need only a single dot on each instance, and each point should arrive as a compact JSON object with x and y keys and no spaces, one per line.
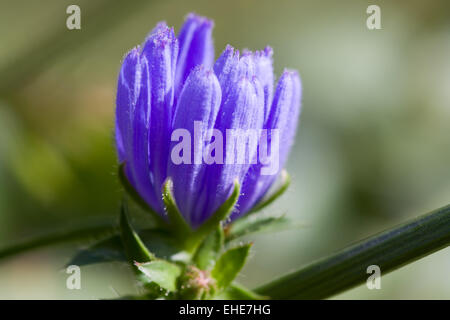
{"x":221,"y":214}
{"x":111,"y":249}
{"x":136,"y":197}
{"x":260,"y":223}
{"x":285,"y":182}
{"x":238,"y":292}
{"x":135,"y":249}
{"x":106,"y":250}
{"x":229,"y":264}
{"x":207,"y":253}
{"x":180,"y":227}
{"x":161,"y":272}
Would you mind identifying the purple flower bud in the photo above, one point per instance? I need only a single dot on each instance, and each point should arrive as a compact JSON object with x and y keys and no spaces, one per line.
{"x":204,"y":125}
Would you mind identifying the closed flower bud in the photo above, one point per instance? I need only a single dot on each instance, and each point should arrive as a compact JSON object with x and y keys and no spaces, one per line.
{"x":202,"y":124}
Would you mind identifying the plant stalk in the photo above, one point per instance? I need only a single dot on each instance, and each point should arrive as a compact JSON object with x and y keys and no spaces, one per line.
{"x":343,"y":270}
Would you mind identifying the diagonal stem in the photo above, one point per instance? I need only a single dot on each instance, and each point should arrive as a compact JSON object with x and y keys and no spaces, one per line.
{"x":61,"y":236}
{"x":389,"y":250}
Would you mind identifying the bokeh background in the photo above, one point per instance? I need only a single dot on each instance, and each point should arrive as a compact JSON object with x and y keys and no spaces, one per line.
{"x":372,"y":150}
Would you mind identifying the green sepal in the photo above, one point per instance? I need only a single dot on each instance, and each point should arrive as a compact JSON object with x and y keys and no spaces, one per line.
{"x":135,"y":249}
{"x":189,"y":238}
{"x":161,"y":272}
{"x":229,"y":264}
{"x":178,"y":225}
{"x":136,"y":197}
{"x":207,"y":253}
{"x":220,"y":215}
{"x":252,"y":224}
{"x":285,"y":182}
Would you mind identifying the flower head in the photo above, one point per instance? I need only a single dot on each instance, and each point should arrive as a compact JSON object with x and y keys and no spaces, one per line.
{"x":203,"y":124}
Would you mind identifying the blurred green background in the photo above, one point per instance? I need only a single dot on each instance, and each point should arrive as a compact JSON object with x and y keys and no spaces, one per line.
{"x":372,"y":150}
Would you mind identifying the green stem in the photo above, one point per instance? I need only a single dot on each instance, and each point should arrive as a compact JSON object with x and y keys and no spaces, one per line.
{"x":64,"y":235}
{"x":389,"y":250}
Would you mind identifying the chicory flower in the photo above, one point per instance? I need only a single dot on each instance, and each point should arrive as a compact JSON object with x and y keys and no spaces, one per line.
{"x":180,"y":115}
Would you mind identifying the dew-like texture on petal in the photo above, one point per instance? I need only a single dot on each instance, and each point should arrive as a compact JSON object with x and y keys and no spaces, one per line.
{"x":196,"y":48}
{"x":127,"y":91}
{"x":241,"y":110}
{"x":288,"y":135}
{"x":226,"y":69}
{"x":246,"y":65}
{"x":161,"y":51}
{"x":264,"y":73}
{"x":283,"y":116}
{"x":160,"y":27}
{"x":199,"y":102}
{"x":139,"y":158}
